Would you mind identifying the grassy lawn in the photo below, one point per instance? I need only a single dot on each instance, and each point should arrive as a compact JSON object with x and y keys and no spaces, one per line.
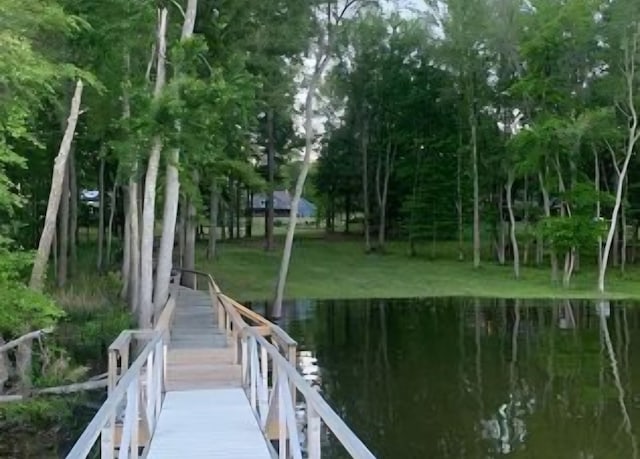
{"x":323,"y":269}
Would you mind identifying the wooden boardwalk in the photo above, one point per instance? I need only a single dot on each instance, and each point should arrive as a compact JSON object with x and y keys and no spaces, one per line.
{"x":205,"y":412}
{"x":213,"y":379}
{"x":214,"y":423}
{"x":199,"y":355}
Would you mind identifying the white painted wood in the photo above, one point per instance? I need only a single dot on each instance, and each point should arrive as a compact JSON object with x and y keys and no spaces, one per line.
{"x":314,"y":446}
{"x":292,"y":426}
{"x":263,"y":389}
{"x":216,"y":423}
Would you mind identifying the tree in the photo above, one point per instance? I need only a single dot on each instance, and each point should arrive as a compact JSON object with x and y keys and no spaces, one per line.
{"x":59,"y":172}
{"x":172,"y":192}
{"x":323,"y":48}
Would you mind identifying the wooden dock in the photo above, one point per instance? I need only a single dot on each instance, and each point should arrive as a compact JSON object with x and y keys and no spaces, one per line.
{"x":213,"y":380}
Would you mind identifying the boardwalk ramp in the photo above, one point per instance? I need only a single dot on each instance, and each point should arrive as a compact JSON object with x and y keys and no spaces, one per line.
{"x":212,"y":380}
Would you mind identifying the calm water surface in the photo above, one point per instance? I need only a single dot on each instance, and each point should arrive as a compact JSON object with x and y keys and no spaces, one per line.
{"x":464,"y":378}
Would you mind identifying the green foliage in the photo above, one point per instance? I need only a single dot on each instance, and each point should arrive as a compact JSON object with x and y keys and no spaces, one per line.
{"x":22,"y":308}
{"x":564,"y":233}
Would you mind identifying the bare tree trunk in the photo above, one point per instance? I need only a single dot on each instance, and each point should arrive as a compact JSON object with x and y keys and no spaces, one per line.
{"x":623,"y":230}
{"x":188,"y":279}
{"x":382,"y":190}
{"x":293,"y":213}
{"x":63,"y":232}
{"x":134,"y":241}
{"x":596,"y":180}
{"x":512,"y":226}
{"x":459,"y":205}
{"x":632,"y":138}
{"x":502,"y":233}
{"x":269,"y":210}
{"x":182,"y":228}
{"x":476,"y":193}
{"x":525,"y":258}
{"x":101,"y":210}
{"x":223,"y":220}
{"x":364,"y":146}
{"x":238,"y":207}
{"x":213,"y":220}
{"x":112,"y":213}
{"x":126,"y":247}
{"x":547,"y":212}
{"x":145,"y":307}
{"x":73,"y":213}
{"x":172,"y":193}
{"x":44,"y":247}
{"x":569,"y":264}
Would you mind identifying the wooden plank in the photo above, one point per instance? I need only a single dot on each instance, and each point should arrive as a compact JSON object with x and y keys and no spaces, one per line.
{"x":208,"y":424}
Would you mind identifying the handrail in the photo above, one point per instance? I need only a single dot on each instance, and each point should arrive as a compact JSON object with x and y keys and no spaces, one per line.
{"x":272,"y":381}
{"x":129,"y":389}
{"x":284,"y":340}
{"x":255,"y":369}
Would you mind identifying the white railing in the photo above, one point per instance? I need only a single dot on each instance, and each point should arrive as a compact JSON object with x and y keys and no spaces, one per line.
{"x":273,"y":384}
{"x":273,"y":387}
{"x":138,"y":389}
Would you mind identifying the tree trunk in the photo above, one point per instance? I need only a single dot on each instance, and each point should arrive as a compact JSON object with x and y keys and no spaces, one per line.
{"x":182,"y":228}
{"x":598,"y":205}
{"x":101,"y":210}
{"x":63,"y":234}
{"x":364,"y":147}
{"x":476,"y":193}
{"x":269,"y":210}
{"x":382,"y":190}
{"x":501,"y":248}
{"x":172,"y":193}
{"x":44,"y":247}
{"x":73,"y":213}
{"x":276,"y":311}
{"x":134,"y":242}
{"x":248,"y":215}
{"x":125,"y":270}
{"x":569,"y":264}
{"x":512,"y":227}
{"x":112,"y":214}
{"x":238,"y":207}
{"x":213,"y":220}
{"x":188,"y":279}
{"x":623,"y":231}
{"x":459,"y":205}
{"x":547,"y":212}
{"x":145,"y":307}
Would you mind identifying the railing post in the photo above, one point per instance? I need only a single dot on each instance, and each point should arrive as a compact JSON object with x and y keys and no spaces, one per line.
{"x":264,"y":384}
{"x":313,"y":432}
{"x":282,"y":417}
{"x":217,"y":303}
{"x":159,"y":378}
{"x":150,"y":404}
{"x":292,"y":357}
{"x":243,"y":360}
{"x":136,"y":414}
{"x":253,"y":370}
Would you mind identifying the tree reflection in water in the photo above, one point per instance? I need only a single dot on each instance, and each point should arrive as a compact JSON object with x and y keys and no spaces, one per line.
{"x":465,"y":378}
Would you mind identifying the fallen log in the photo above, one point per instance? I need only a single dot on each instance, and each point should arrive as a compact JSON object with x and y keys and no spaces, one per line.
{"x":27,"y":337}
{"x":57,"y":390}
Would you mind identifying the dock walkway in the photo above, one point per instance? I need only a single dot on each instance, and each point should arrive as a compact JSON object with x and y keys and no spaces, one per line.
{"x":213,"y":379}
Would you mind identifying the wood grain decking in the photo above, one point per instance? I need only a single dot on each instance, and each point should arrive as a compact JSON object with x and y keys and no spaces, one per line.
{"x":216,"y":423}
{"x":199,"y":354}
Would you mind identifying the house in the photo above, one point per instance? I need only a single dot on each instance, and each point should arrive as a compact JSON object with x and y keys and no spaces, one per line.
{"x":281,"y":205}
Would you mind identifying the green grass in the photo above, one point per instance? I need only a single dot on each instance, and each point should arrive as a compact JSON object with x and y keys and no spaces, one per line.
{"x":339,"y":269}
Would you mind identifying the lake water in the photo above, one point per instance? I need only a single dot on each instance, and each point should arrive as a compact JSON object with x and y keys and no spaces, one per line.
{"x":465,"y":378}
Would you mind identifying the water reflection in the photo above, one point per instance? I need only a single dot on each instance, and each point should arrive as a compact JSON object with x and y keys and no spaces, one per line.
{"x":465,"y":378}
